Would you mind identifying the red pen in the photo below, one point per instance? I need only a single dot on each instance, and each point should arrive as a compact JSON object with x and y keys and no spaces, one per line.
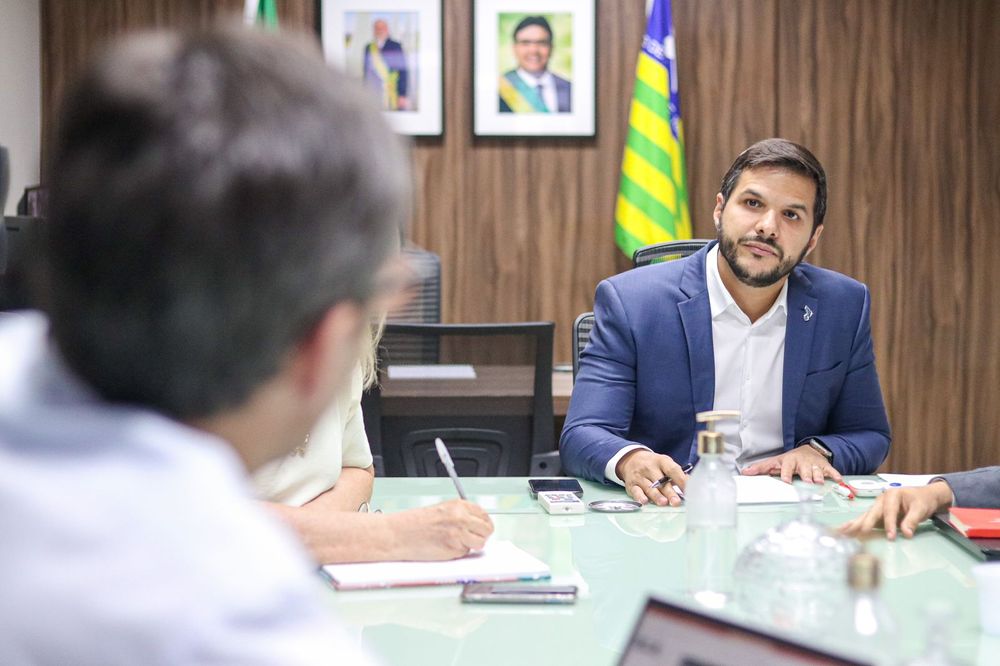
{"x":845,"y":490}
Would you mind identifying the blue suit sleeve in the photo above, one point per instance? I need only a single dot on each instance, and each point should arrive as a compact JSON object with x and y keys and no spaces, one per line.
{"x":858,"y":428}
{"x":603,"y":401}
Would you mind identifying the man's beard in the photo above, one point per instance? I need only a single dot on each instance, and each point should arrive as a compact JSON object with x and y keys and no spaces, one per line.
{"x":728,"y":248}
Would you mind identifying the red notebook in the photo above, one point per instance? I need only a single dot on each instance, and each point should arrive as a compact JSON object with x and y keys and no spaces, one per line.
{"x":976,"y":523}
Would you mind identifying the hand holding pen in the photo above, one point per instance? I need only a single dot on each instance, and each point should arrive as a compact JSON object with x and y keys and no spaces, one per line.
{"x":442,"y":531}
{"x":666,"y":479}
{"x":643,"y":471}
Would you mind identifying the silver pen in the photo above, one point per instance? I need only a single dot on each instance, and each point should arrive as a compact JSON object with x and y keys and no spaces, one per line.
{"x":449,"y":465}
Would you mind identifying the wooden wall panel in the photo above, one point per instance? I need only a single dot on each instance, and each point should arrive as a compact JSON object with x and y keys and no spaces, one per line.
{"x":901,"y":102}
{"x":980,"y":372}
{"x":727,"y":57}
{"x":73,"y":31}
{"x":513,"y":217}
{"x":890,"y":121}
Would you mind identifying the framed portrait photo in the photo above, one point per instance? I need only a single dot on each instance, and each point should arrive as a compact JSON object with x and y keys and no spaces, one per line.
{"x":534,"y":68}
{"x":394,"y":48}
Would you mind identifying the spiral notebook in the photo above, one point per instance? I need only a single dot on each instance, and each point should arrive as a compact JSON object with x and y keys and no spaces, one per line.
{"x":499,"y":561}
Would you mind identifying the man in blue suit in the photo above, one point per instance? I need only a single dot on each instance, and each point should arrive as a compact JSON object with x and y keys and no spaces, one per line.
{"x":742,"y":324}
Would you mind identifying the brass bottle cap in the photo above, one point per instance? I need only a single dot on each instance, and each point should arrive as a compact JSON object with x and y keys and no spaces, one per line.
{"x":863,"y":572}
{"x":711,"y":443}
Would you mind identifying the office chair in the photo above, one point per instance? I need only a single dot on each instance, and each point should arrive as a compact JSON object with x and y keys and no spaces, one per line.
{"x":582,"y":327}
{"x":498,"y":424}
{"x":666,"y":251}
{"x":20,"y":241}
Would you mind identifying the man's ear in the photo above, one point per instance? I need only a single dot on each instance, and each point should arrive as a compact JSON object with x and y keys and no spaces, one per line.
{"x":817,"y":232}
{"x":323,"y":360}
{"x":720,"y":203}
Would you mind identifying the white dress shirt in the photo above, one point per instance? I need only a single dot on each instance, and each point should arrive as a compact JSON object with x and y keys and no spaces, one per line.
{"x":749,"y":369}
{"x":338,"y":440}
{"x":129,"y":538}
{"x":548,"y":87}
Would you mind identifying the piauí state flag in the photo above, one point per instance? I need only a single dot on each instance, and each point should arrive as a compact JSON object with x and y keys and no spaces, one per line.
{"x":652,"y":204}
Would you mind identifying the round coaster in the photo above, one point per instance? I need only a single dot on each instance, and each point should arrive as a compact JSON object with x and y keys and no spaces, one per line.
{"x":615,"y":506}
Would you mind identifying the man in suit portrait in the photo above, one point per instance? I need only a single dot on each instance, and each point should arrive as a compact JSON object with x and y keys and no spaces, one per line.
{"x":385,"y":70}
{"x":532,"y":88}
{"x":743,"y":324}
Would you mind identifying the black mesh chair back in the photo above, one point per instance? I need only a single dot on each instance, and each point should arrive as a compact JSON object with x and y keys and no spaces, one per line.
{"x":498,"y":423}
{"x":422,"y":307}
{"x":581,"y":336}
{"x":666,"y":251}
{"x":20,"y":241}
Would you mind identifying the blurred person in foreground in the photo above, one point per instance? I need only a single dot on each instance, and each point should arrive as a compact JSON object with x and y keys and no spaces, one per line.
{"x":224,"y":212}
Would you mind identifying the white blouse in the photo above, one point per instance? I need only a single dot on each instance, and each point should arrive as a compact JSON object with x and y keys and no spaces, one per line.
{"x":338,"y":440}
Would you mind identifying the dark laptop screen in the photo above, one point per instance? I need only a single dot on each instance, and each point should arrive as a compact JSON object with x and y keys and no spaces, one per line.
{"x":670,"y":635}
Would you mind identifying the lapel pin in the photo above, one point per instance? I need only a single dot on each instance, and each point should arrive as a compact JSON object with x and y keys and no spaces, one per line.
{"x":808,"y":314}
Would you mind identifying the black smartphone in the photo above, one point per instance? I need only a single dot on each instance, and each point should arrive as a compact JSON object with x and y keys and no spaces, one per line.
{"x":536,"y":486}
{"x":492,"y":593}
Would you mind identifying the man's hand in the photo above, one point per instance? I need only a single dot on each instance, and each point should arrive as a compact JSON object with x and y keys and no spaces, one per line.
{"x":805,"y":461}
{"x":440,"y":532}
{"x":902,"y":507}
{"x":641,"y":468}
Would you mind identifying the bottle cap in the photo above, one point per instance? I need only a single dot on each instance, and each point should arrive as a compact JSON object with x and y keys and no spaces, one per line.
{"x":863,"y":572}
{"x":711,"y":442}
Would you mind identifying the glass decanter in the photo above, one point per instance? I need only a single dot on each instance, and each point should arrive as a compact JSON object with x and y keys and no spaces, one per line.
{"x":794,"y":575}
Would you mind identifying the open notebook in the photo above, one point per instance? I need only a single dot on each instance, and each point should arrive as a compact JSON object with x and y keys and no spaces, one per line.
{"x":498,"y":561}
{"x":768,"y":490}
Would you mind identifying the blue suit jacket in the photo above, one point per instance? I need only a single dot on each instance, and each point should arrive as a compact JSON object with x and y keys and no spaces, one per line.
{"x":650,"y":367}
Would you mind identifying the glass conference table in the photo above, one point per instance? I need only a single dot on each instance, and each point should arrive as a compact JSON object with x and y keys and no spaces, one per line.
{"x":617,"y":561}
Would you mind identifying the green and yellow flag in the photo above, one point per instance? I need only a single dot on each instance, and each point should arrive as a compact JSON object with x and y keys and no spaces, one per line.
{"x":652,"y":201}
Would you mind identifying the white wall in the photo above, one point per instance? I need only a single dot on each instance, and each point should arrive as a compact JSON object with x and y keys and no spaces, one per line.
{"x":20,"y":93}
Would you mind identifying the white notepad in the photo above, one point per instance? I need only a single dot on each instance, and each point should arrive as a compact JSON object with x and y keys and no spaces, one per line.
{"x":498,"y":561}
{"x":767,"y":490}
{"x":908,"y":480}
{"x":443,"y":371}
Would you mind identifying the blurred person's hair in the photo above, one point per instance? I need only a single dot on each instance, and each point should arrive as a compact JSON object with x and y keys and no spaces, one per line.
{"x":214,"y":195}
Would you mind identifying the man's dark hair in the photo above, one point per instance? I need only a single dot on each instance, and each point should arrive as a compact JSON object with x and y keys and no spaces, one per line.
{"x":213,"y":196}
{"x":533,"y":20}
{"x":780,"y":154}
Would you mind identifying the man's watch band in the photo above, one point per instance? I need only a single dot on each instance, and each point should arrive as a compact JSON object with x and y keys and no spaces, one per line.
{"x":821,"y":448}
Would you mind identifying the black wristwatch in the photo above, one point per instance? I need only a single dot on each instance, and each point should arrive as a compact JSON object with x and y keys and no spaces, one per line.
{"x":819,"y":447}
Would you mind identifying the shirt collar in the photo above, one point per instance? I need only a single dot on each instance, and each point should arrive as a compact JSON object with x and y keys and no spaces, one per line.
{"x":719,"y":298}
{"x":532,"y":79}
